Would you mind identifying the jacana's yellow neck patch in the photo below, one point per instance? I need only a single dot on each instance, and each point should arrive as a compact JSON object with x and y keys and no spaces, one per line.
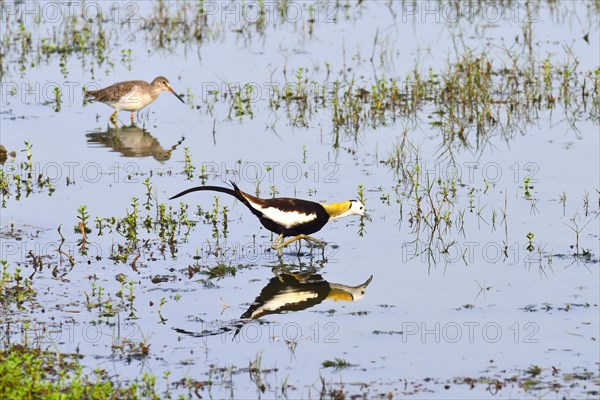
{"x":335,"y":209}
{"x":339,"y":294}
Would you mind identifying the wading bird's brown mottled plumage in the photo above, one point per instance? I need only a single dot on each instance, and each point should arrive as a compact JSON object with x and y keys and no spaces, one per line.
{"x":130,"y":95}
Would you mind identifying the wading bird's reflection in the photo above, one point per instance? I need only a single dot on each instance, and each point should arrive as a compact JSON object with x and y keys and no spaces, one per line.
{"x":131,"y":141}
{"x":289,"y":292}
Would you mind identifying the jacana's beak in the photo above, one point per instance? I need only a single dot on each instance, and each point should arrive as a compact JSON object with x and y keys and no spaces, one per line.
{"x":364,"y":285}
{"x":367,"y":217}
{"x":176,"y":95}
{"x":345,"y":292}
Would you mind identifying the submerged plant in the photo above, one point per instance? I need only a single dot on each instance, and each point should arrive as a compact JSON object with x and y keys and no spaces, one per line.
{"x":361,"y":223}
{"x":188,"y":166}
{"x":530,"y":246}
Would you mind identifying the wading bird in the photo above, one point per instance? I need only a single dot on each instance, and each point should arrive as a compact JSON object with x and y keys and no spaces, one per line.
{"x":130,"y":95}
{"x":287,"y":216}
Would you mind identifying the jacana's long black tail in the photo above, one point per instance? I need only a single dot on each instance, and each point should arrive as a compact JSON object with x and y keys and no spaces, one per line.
{"x":228,"y":191}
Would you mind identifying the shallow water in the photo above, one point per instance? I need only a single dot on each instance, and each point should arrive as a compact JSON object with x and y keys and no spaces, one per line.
{"x":475,"y":303}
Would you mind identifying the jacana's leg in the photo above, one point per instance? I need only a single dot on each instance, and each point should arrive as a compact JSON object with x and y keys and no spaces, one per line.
{"x":274,"y":245}
{"x":113,"y":119}
{"x":279,"y":239}
{"x":131,"y":117}
{"x":301,"y":277}
{"x":280,"y":246}
{"x":318,"y":243}
{"x":275,"y":271}
{"x":313,"y":240}
{"x":309,"y":244}
{"x":289,"y":241}
{"x":302,"y":236}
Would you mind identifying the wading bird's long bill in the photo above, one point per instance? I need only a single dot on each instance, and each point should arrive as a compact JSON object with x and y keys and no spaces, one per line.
{"x":170,"y":89}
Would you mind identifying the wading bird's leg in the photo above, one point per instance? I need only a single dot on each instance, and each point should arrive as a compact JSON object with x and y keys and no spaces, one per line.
{"x":113,"y":119}
{"x":131,"y":117}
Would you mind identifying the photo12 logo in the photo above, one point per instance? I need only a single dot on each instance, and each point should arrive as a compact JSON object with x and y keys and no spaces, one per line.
{"x":260,"y":252}
{"x":271,"y":172}
{"x":271,"y":11}
{"x":24,"y":251}
{"x":472,"y":11}
{"x":255,"y":331}
{"x":73,"y":171}
{"x":468,"y":252}
{"x":70,"y":332}
{"x":60,"y":12}
{"x":469,"y":332}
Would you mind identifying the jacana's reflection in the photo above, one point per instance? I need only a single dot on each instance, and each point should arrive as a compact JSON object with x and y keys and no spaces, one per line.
{"x":290,"y":292}
{"x":296,"y":292}
{"x":132,"y":141}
